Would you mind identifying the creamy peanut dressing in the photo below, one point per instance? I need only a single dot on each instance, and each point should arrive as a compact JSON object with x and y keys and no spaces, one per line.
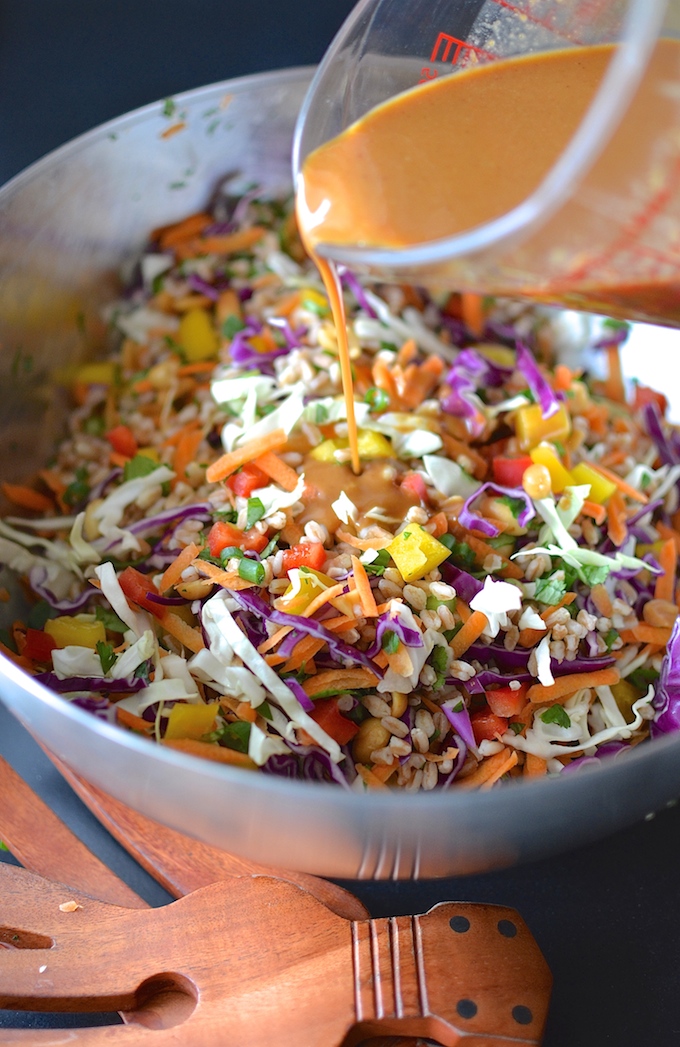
{"x":373,"y":489}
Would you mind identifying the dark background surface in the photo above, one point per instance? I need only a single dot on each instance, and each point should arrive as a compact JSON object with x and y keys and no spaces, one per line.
{"x":607,"y":917}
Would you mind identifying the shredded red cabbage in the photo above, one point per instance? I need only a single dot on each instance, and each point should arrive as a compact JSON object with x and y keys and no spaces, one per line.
{"x":197,"y":283}
{"x":301,"y":695}
{"x":539,"y":386}
{"x":341,"y":651}
{"x":667,"y":692}
{"x":519,"y":659}
{"x":465,"y":584}
{"x":654,"y":425}
{"x":460,"y":722}
{"x":349,"y":280}
{"x":36,"y":577}
{"x":90,"y":683}
{"x":392,"y":623}
{"x":468,"y":518}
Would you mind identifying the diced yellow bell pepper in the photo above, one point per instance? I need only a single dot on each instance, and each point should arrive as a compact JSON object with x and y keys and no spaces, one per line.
{"x":191,"y":720}
{"x":642,"y":548}
{"x":309,"y":584}
{"x":373,"y":445}
{"x":545,"y":454}
{"x":197,"y":337}
{"x":416,"y":552}
{"x":498,"y":354}
{"x":325,"y":451}
{"x":150,"y":452}
{"x":625,"y":694}
{"x":532,"y":428}
{"x":78,"y":630}
{"x":314,"y":300}
{"x":601,"y":489}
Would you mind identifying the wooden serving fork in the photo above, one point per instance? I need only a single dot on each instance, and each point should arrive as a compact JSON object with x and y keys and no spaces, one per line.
{"x":256,"y":960}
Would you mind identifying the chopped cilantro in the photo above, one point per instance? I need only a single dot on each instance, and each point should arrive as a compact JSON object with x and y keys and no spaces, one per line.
{"x":377,"y":566}
{"x":461,"y":553}
{"x":110,"y":619}
{"x":143,"y":671}
{"x":227,"y":515}
{"x":610,"y":637}
{"x":550,"y":590}
{"x":515,"y":505}
{"x":439,"y":662}
{"x":320,"y":414}
{"x":94,"y":426}
{"x":270,"y":547}
{"x":205,"y":555}
{"x":390,"y":642}
{"x":8,"y":640}
{"x":138,"y":466}
{"x":594,"y":574}
{"x":641,"y":679}
{"x":3,"y":846}
{"x":256,"y":511}
{"x":556,"y":714}
{"x":235,"y":736}
{"x":231,"y":326}
{"x":169,"y":107}
{"x":516,"y":728}
{"x":107,"y":656}
{"x":406,"y":535}
{"x":264,"y":710}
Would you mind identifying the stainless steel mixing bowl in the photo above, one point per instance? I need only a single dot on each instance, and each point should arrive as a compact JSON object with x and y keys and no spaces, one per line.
{"x":68,"y":226}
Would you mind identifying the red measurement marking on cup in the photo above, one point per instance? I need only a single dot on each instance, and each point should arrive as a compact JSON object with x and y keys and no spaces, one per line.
{"x":451,"y":49}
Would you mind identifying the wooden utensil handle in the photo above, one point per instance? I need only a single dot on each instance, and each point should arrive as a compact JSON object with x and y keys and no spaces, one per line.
{"x":278,"y":963}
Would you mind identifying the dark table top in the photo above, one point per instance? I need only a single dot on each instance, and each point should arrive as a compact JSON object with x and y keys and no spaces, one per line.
{"x":607,"y":916}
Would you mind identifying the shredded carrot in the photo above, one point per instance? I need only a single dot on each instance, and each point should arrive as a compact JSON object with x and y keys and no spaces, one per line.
{"x":363,"y":543}
{"x":190,"y":638}
{"x":669,"y":532}
{"x":437,"y":525}
{"x":227,"y":579}
{"x":323,"y":597}
{"x":472,"y":308}
{"x":530,"y":637}
{"x":534,"y":766}
{"x":562,"y":378}
{"x":664,"y":587}
{"x":400,"y":661}
{"x":614,"y":458}
{"x":489,"y":770}
{"x":455,"y":448}
{"x":596,"y":511}
{"x":233,"y":460}
{"x":135,"y":723}
{"x":200,"y":367}
{"x":407,"y":352}
{"x":617,"y":529}
{"x":369,"y":778}
{"x":245,"y":711}
{"x":363,"y":586}
{"x":208,"y":751}
{"x":564,"y":602}
{"x":173,"y":572}
{"x":384,"y":379}
{"x":170,"y":235}
{"x":304,"y":651}
{"x":464,"y":611}
{"x":277,"y":470}
{"x":614,"y":388}
{"x":565,"y":686}
{"x":18,"y":659}
{"x":185,"y":452}
{"x":418,"y":381}
{"x":173,"y":129}
{"x":229,"y":243}
{"x":384,"y":771}
{"x":482,"y":549}
{"x":352,"y":679}
{"x":637,"y":496}
{"x":643,"y":633}
{"x":190,"y":427}
{"x":602,"y":600}
{"x":119,"y":461}
{"x":286,"y":305}
{"x":27,"y":498}
{"x":470,"y":631}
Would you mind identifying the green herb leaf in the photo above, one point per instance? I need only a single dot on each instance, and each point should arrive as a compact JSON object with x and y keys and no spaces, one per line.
{"x":107,"y":655}
{"x":390,"y":642}
{"x":516,"y":728}
{"x":256,"y":511}
{"x":594,"y":574}
{"x":264,"y":710}
{"x":515,"y":505}
{"x":169,"y":107}
{"x":251,"y":571}
{"x":377,"y":566}
{"x":138,"y":466}
{"x":641,"y":679}
{"x":270,"y":547}
{"x":231,"y":326}
{"x":235,"y":736}
{"x":550,"y":590}
{"x":556,"y":714}
{"x":320,"y":414}
{"x":39,"y":613}
{"x":79,"y":490}
{"x":610,"y":637}
{"x":3,"y":846}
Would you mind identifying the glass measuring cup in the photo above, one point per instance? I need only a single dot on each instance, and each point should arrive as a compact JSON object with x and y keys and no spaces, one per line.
{"x":601,"y":230}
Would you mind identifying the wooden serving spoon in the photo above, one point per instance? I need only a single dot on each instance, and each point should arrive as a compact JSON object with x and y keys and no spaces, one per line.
{"x":464,"y":973}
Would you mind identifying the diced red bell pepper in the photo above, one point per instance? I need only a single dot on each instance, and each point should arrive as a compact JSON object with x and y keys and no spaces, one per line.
{"x":222,"y":535}
{"x":39,"y":646}
{"x":137,"y":587}
{"x":505,"y":702}
{"x":415,"y":484}
{"x":122,"y":441}
{"x":247,"y":480}
{"x":306,"y":554}
{"x":486,"y":726}
{"x":332,"y":721}
{"x":643,"y":395}
{"x":508,"y":472}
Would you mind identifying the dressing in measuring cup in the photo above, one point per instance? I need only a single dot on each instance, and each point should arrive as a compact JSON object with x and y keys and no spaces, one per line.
{"x":536,"y":153}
